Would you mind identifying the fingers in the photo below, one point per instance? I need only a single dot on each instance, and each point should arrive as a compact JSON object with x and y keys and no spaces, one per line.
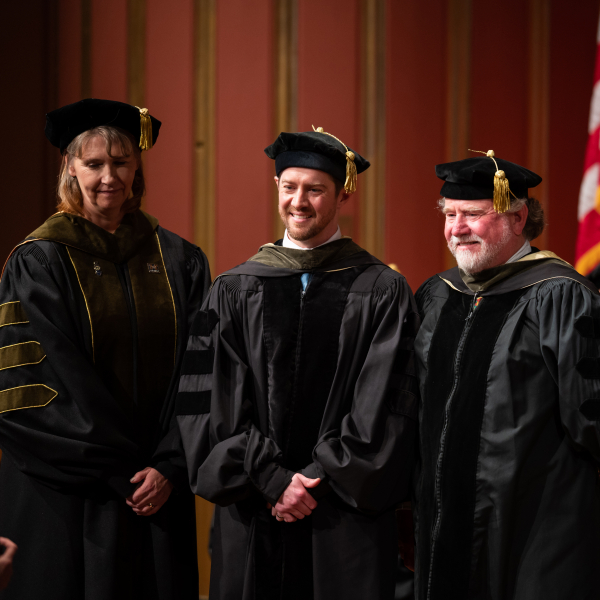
{"x":141,"y":495}
{"x":299,"y":498}
{"x":140,"y":475}
{"x":148,"y":498}
{"x":284,"y":516}
{"x":146,"y":511}
{"x":308,"y":500}
{"x":151,"y":494}
{"x":298,"y":509}
{"x":11,"y":548}
{"x":294,"y":506}
{"x":306,"y":482}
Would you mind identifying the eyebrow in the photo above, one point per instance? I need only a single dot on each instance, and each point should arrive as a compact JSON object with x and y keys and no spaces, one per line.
{"x":446,"y":210}
{"x":311,"y":184}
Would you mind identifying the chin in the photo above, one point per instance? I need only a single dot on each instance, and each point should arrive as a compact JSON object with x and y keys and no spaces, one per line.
{"x":110,"y":203}
{"x":473,"y":262}
{"x":302,"y":232}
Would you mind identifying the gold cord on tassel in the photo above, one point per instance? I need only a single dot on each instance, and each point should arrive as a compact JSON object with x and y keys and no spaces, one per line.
{"x":351,"y":174}
{"x":502,"y":190}
{"x":145,"y":129}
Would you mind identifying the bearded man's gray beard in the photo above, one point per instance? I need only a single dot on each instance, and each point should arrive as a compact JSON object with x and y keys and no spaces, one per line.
{"x":474,"y":262}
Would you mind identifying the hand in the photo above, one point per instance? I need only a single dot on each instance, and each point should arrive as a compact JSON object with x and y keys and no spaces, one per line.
{"x":6,"y":561}
{"x":154,"y":489}
{"x":295,"y":502}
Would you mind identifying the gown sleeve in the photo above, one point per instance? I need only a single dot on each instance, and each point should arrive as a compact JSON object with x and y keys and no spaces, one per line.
{"x":169,"y":456}
{"x":569,"y":321}
{"x":368,"y":461}
{"x":228,"y":457}
{"x":58,"y":421}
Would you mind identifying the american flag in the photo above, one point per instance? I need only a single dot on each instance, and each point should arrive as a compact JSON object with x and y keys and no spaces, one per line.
{"x":587,"y":253}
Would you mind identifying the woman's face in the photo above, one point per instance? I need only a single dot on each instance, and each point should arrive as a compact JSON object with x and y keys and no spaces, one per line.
{"x":105,"y":181}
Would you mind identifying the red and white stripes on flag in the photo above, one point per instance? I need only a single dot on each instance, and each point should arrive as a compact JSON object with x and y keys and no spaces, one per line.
{"x":587,"y":253}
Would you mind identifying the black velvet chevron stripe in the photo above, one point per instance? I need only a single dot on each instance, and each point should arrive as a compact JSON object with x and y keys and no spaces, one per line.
{"x":589,"y":367}
{"x":198,"y":362}
{"x":590,"y":409}
{"x":453,"y":550}
{"x":587,"y":326}
{"x":192,"y":403}
{"x":204,"y":322}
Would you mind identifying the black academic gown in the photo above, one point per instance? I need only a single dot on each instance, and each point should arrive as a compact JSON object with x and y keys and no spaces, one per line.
{"x":92,"y":330}
{"x":276,"y":381}
{"x":507,"y":498}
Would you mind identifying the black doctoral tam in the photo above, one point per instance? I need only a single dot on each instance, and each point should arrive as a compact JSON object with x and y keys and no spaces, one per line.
{"x":314,"y":150}
{"x":64,"y":124}
{"x":473,"y":178}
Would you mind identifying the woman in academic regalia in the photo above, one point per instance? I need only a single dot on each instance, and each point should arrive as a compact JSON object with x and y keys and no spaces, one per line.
{"x":95,"y":307}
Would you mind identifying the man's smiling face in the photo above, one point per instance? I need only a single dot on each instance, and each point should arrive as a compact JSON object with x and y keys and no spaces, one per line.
{"x":479,"y":237}
{"x":309,"y":205}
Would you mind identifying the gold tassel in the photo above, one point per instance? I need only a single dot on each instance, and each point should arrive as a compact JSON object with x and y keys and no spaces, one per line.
{"x":502,"y":190}
{"x":145,"y":129}
{"x":351,"y":174}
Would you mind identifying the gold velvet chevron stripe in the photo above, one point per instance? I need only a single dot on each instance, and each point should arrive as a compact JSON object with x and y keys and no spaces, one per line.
{"x":12,"y":313}
{"x":18,"y":355}
{"x":26,"y":396}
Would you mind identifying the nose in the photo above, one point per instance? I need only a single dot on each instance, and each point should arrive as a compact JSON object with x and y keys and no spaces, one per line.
{"x":109,"y":173}
{"x":300,"y":199}
{"x":460,"y":226}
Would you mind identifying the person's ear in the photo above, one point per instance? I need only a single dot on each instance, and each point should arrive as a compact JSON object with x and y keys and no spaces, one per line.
{"x":70,"y":167}
{"x":343,"y":198}
{"x":276,"y":181}
{"x":520,"y":219}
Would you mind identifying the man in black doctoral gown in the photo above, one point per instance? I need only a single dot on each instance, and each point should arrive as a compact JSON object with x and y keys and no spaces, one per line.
{"x":507,"y":498}
{"x":297,"y":402}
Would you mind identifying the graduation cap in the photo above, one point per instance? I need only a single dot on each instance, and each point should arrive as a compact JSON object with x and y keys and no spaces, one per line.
{"x":319,"y":150}
{"x":64,"y":124}
{"x":482,"y":178}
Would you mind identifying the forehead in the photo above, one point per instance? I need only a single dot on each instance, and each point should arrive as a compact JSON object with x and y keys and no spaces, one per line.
{"x":96,"y":145}
{"x":467,"y":205}
{"x":302,"y":175}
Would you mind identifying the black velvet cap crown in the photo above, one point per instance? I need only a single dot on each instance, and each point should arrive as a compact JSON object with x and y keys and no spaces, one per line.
{"x":64,"y":124}
{"x":313,"y":150}
{"x":473,"y":178}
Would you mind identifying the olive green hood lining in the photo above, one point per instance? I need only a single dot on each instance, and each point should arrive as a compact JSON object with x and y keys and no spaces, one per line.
{"x":480,"y":282}
{"x":77,"y":232}
{"x":272,"y":255}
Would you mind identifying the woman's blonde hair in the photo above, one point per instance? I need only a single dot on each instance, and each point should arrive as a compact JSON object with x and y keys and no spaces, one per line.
{"x":70,"y":199}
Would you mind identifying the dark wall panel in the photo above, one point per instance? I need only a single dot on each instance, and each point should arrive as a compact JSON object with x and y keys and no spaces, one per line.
{"x":415,"y":137}
{"x":27,"y":193}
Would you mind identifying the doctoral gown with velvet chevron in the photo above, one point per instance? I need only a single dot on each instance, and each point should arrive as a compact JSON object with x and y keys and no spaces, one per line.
{"x":277,"y":380}
{"x":93,"y":327}
{"x":507,"y":497}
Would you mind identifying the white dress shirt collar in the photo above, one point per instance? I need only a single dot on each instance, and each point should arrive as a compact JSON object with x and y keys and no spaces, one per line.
{"x":288,"y":243}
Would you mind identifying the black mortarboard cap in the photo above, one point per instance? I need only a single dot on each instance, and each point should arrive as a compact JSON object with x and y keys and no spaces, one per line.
{"x":484,"y":178}
{"x":64,"y":124}
{"x":317,"y":150}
